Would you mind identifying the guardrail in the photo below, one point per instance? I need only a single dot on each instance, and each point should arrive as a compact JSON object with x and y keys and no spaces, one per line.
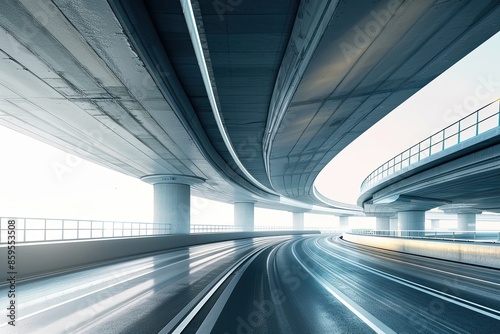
{"x":473,"y":236}
{"x":42,"y":229}
{"x":47,"y":229}
{"x":470,"y":126}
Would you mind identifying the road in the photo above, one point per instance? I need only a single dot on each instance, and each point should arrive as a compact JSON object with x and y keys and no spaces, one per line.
{"x":310,"y":284}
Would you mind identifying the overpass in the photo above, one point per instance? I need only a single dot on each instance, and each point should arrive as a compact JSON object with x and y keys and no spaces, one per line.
{"x":239,"y":102}
{"x":243,"y":102}
{"x":455,"y":169}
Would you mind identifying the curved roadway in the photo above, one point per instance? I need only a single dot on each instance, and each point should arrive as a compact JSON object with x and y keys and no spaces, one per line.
{"x":313,"y":284}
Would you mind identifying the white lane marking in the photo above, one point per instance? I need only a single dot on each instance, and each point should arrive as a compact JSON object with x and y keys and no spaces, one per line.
{"x":209,"y":322}
{"x":447,"y":297}
{"x":361,"y":313}
{"x":196,"y":304}
{"x":414,"y":264}
{"x":209,"y":259}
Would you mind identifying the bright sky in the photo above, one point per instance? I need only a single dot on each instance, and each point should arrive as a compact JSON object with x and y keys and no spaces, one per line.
{"x":37,"y":180}
{"x":468,"y":85}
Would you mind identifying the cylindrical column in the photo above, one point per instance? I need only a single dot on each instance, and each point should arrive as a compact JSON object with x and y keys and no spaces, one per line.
{"x":172,"y":202}
{"x":411,"y":223}
{"x":382,"y":224}
{"x":298,"y":221}
{"x":466,"y":221}
{"x":394,"y":223}
{"x":244,"y":215}
{"x":172,"y":206}
{"x":435,"y":224}
{"x":343,"y":222}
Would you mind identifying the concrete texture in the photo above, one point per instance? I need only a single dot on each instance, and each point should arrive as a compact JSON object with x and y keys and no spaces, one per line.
{"x":412,"y":220}
{"x":466,"y":252}
{"x":244,"y":215}
{"x":117,"y":82}
{"x":298,"y":221}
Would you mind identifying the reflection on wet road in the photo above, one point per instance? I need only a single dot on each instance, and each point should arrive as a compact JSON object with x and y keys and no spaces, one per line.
{"x":310,"y":284}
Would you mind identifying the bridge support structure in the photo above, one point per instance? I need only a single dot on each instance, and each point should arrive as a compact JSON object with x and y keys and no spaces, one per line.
{"x":393,"y":223}
{"x":411,"y":223}
{"x":435,"y":224}
{"x":343,"y":222}
{"x":172,"y":201}
{"x":244,"y":215}
{"x":466,"y":216}
{"x":298,"y":221}
{"x":382,"y":224}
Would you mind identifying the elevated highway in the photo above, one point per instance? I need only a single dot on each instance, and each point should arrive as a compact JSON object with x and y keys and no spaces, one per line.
{"x":242,"y":102}
{"x":456,"y":169}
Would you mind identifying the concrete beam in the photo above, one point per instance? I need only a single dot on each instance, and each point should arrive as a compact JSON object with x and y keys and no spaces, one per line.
{"x":393,"y":224}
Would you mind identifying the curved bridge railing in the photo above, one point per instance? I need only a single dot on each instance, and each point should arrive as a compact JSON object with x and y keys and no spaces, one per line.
{"x":470,"y":126}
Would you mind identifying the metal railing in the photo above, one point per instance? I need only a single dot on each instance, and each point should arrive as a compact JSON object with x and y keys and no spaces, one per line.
{"x":48,"y":229}
{"x":42,"y":229}
{"x":470,"y":126}
{"x":473,"y":236}
{"x":199,"y":228}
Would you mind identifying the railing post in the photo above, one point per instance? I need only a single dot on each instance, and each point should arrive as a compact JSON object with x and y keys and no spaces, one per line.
{"x":45,"y":230}
{"x":477,"y":122}
{"x":458,"y":134}
{"x":498,"y":112}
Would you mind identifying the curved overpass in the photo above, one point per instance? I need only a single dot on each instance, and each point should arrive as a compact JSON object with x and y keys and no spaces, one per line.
{"x":241,"y":101}
{"x":457,"y":169}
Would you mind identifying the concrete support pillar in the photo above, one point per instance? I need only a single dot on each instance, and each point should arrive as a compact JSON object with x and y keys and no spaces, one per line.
{"x":343,"y":222}
{"x":298,"y":221}
{"x":172,"y":202}
{"x":172,"y":206}
{"x":393,"y":223}
{"x":411,"y":223}
{"x":382,"y":224}
{"x":466,"y":221}
{"x":244,"y":215}
{"x":435,"y":224}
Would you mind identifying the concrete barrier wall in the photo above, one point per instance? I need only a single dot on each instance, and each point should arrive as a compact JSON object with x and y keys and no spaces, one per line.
{"x":40,"y":258}
{"x":467,"y":252}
